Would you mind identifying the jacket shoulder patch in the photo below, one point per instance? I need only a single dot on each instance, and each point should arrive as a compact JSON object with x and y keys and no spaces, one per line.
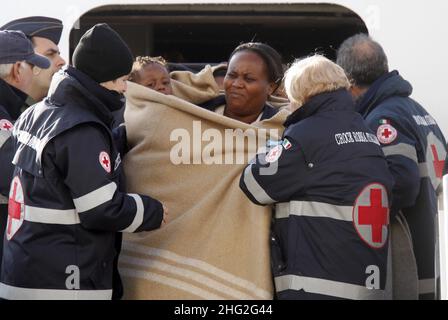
{"x":6,"y":125}
{"x":105,"y":161}
{"x":386,"y":133}
{"x":274,"y":154}
{"x":286,"y":144}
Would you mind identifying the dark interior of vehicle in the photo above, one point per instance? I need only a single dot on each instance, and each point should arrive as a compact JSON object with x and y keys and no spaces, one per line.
{"x":198,"y":34}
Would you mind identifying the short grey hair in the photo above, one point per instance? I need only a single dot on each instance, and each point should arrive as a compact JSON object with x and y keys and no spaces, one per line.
{"x":5,"y":70}
{"x":363,"y":60}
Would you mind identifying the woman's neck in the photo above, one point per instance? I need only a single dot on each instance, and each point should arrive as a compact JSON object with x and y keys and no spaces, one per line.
{"x":243,"y":118}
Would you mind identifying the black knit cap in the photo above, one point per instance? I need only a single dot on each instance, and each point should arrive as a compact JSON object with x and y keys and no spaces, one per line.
{"x":102,"y":54}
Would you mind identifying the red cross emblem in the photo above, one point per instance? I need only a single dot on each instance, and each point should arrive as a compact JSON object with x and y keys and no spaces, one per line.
{"x":386,"y":133}
{"x":6,"y":125}
{"x":371,"y":215}
{"x":438,"y":164}
{"x":15,"y":208}
{"x":435,"y":159}
{"x":105,"y":161}
{"x":274,"y":154}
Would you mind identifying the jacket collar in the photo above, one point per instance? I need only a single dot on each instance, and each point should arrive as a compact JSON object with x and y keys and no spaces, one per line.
{"x":12,"y":99}
{"x":324,"y":102}
{"x":268,"y":112}
{"x":388,"y":85}
{"x":86,"y":93}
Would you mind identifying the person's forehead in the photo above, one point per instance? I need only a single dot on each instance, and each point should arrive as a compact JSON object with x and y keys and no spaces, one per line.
{"x":154,"y":69}
{"x":247,"y":59}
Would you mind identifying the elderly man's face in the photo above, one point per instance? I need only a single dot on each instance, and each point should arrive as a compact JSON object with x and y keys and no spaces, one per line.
{"x":21,"y":76}
{"x":42,"y":78}
{"x":27,"y":75}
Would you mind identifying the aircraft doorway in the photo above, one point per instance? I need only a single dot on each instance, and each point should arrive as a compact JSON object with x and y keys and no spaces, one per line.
{"x":206,"y":33}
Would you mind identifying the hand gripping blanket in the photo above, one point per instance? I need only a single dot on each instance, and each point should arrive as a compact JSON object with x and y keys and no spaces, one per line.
{"x":216,"y":244}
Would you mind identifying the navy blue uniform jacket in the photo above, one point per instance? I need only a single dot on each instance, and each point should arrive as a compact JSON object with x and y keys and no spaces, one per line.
{"x":330,"y":184}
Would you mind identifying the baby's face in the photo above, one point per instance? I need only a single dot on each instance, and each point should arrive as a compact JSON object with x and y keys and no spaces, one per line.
{"x":156,"y":77}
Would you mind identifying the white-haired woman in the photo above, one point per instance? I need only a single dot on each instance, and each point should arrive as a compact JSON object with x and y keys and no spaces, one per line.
{"x":330,"y":184}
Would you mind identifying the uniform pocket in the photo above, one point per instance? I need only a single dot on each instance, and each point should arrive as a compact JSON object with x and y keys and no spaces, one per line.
{"x":278,"y":263}
{"x":101,"y":277}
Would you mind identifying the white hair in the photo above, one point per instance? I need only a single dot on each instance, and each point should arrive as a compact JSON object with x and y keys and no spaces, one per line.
{"x":5,"y":70}
{"x":311,"y":76}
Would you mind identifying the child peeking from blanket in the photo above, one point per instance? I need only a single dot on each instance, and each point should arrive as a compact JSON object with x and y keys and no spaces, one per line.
{"x":151,"y":72}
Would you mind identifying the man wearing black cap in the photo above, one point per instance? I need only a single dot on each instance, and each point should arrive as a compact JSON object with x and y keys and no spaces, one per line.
{"x":67,"y":192}
{"x":17,"y":59}
{"x":45,"y":33}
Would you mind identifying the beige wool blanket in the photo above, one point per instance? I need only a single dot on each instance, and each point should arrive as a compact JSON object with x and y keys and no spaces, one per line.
{"x":216,"y":244}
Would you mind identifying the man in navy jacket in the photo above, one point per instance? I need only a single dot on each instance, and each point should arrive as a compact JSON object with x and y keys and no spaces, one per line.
{"x":68,"y":198}
{"x":411,"y":140}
